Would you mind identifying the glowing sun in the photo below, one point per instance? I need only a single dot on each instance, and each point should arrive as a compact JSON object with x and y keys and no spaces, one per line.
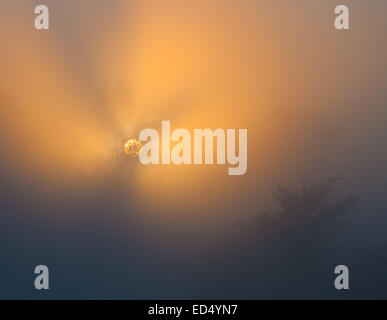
{"x":132,"y":147}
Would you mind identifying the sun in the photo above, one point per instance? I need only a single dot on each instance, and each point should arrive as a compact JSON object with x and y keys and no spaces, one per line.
{"x":132,"y":147}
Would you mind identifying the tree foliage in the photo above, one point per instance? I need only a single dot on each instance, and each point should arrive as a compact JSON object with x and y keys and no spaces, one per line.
{"x":307,"y":213}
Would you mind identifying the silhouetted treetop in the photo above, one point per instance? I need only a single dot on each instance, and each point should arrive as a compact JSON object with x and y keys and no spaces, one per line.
{"x":306,"y":210}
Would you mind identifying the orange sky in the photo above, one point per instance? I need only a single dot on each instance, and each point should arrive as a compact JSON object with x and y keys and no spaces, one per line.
{"x":310,"y":96}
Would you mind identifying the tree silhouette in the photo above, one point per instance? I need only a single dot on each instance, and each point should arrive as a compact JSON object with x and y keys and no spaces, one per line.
{"x":287,"y":248}
{"x":305,"y":216}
